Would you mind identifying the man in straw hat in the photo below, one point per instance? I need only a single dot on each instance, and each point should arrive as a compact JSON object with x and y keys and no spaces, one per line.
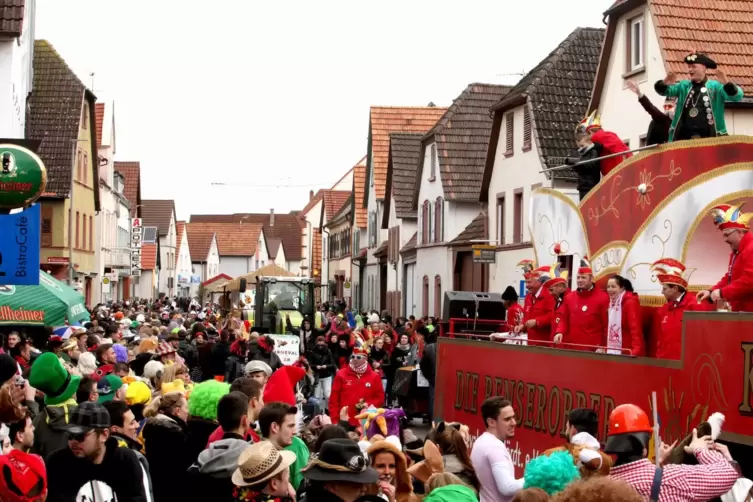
{"x":263,"y":474}
{"x":736,"y":287}
{"x":339,"y":474}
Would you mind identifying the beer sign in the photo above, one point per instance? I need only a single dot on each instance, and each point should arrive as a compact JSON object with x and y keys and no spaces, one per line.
{"x":136,"y":234}
{"x":23,"y":176}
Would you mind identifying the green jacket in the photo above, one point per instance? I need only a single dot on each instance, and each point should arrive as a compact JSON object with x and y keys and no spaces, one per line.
{"x":301,"y":459}
{"x":452,"y":493}
{"x":717,"y":95}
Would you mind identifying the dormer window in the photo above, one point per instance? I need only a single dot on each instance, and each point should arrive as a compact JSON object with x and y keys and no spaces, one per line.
{"x":635,"y":44}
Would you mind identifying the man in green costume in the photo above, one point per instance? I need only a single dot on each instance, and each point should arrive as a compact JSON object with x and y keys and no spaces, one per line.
{"x":700,"y":101}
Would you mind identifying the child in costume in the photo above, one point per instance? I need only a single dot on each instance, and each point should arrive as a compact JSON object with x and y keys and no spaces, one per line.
{"x":590,"y":135}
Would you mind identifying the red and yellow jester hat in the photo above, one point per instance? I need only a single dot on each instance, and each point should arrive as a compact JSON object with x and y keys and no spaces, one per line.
{"x":590,"y":123}
{"x":558,"y":275}
{"x":585,"y":267}
{"x":527,"y":267}
{"x":670,"y":271}
{"x":727,"y":216}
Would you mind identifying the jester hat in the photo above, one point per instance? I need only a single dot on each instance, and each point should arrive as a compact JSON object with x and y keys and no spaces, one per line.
{"x":382,"y":422}
{"x":558,"y":275}
{"x":728,"y":216}
{"x":360,"y":347}
{"x":670,"y":271}
{"x":591,"y":122}
{"x":527,"y":267}
{"x":585,"y":267}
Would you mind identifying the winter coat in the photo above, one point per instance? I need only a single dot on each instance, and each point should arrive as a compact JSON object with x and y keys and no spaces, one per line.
{"x":205,"y":359}
{"x":220,"y":353}
{"x":49,"y":434}
{"x":209,"y":478}
{"x":587,"y":319}
{"x":119,"y":477}
{"x":736,"y":287}
{"x":349,"y":388}
{"x":402,"y":357}
{"x":541,"y":308}
{"x":166,"y":449}
{"x":188,"y":353}
{"x":589,"y":172}
{"x":256,"y":353}
{"x":428,"y":363}
{"x":137,"y":448}
{"x":324,"y":358}
{"x":199,"y":431}
{"x":234,"y":368}
{"x":381,"y":357}
{"x":138,"y":363}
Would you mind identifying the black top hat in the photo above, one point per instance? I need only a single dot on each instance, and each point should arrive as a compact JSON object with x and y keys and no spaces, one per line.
{"x":698,"y":58}
{"x":510,"y":294}
{"x":340,"y":460}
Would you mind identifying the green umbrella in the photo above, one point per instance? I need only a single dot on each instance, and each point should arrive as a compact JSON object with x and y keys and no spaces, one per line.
{"x":51,"y":303}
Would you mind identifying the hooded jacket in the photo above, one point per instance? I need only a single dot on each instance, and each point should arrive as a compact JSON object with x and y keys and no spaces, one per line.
{"x":49,"y":434}
{"x":209,"y":478}
{"x":402,"y":482}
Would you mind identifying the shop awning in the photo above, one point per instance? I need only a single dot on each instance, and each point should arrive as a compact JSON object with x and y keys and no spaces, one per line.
{"x":51,"y":303}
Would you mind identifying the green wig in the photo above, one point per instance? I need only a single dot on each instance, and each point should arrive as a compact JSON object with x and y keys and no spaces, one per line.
{"x":552,"y":473}
{"x":202,"y":402}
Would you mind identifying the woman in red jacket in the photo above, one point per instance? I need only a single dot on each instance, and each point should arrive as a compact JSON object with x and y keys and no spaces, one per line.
{"x":625,"y":333}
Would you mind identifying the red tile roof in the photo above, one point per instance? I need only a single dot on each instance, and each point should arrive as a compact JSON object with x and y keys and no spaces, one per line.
{"x":723,"y":29}
{"x":99,"y":115}
{"x":148,"y":256}
{"x":333,"y":202}
{"x":384,"y":120}
{"x":11,"y":17}
{"x":199,"y":241}
{"x":287,"y":227}
{"x":180,"y":227}
{"x":359,"y":186}
{"x":233,"y":239}
{"x":131,"y":171}
{"x":158,"y":213}
{"x":216,"y":278}
{"x":317,"y":251}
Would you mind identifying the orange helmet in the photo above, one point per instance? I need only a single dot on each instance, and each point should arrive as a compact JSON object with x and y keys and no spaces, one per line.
{"x":628,"y":418}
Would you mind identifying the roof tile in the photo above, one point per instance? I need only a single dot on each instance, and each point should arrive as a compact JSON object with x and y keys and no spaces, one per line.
{"x":405,"y":149}
{"x":411,"y":244}
{"x":131,"y":171}
{"x":199,"y":240}
{"x":148,"y":256}
{"x":99,"y":114}
{"x":180,"y":227}
{"x":11,"y":17}
{"x":384,"y":120}
{"x":158,"y":213}
{"x":233,"y":239}
{"x":334,"y":201}
{"x":359,"y":187}
{"x":475,"y":231}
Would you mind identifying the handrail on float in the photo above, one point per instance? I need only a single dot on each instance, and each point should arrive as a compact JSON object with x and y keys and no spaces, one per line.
{"x":545,"y":343}
{"x":598,"y":159}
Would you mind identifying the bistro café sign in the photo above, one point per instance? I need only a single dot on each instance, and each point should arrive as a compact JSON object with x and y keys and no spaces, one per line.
{"x":136,"y":247}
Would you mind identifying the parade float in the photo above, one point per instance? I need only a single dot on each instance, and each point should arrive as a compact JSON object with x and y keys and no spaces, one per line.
{"x":655,"y":205}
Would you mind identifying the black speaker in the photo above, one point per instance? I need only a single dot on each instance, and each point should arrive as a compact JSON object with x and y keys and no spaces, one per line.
{"x":242,"y":285}
{"x":466,"y":304}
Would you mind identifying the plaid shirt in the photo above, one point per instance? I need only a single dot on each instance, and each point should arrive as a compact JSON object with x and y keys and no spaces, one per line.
{"x":681,"y":483}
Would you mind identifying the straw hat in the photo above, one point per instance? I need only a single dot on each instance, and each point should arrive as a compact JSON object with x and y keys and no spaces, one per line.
{"x":261,"y":462}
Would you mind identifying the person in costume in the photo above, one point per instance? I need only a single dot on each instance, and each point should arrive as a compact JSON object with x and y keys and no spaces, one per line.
{"x":661,"y":120}
{"x":514,"y":313}
{"x":557,"y":286}
{"x":538,"y":308}
{"x":589,"y":132}
{"x":587,"y":168}
{"x":628,"y":435}
{"x":586,"y":312}
{"x":701,"y":100}
{"x":394,"y":483}
{"x":668,"y":319}
{"x":582,"y":429}
{"x":356,"y":386}
{"x":625,"y":333}
{"x":736,"y":287}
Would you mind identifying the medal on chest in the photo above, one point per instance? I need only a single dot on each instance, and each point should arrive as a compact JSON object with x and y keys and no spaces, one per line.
{"x":584,"y":308}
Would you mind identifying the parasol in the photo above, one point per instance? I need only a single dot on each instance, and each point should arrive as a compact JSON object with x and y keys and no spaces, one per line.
{"x":51,"y":303}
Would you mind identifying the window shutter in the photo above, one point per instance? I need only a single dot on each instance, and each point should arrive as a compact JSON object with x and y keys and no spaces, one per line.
{"x":433,"y":153}
{"x":526,"y":128}
{"x":510,"y":118}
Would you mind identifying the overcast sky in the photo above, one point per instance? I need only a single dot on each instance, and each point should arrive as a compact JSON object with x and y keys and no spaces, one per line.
{"x":260,"y":94}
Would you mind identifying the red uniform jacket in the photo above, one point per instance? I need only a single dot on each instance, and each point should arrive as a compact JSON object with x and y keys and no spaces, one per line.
{"x":514,"y":314}
{"x":668,"y":326}
{"x":632,"y":327}
{"x":611,"y":143}
{"x":559,"y":320}
{"x":736,"y":286}
{"x":348,"y":388}
{"x":540,"y":308}
{"x":587,"y":318}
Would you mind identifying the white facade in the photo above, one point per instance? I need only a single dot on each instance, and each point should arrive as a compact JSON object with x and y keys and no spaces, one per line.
{"x":235,"y":266}
{"x":185,"y":268}
{"x":374,"y":212}
{"x":16,"y":72}
{"x":144,"y":285}
{"x":168,"y":259}
{"x":619,"y":107}
{"x":434,"y":259}
{"x":395,"y":272}
{"x":311,"y":222}
{"x":207,"y":267}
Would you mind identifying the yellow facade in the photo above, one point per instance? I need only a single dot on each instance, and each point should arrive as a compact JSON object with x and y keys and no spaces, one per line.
{"x":55,"y":244}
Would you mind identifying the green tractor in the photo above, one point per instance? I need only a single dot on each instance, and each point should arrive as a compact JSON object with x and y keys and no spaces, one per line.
{"x":275,"y":300}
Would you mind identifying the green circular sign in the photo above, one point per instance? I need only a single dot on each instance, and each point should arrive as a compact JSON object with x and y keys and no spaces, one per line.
{"x":23,"y":176}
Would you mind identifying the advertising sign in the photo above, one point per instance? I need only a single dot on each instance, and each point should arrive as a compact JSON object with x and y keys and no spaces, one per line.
{"x":287,"y":347}
{"x":136,"y":228}
{"x":484,"y":254}
{"x":19,"y":247}
{"x":23,"y":176}
{"x":544,"y":384}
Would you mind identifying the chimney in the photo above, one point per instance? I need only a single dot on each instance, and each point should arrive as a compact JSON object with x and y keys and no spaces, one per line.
{"x":272,"y":217}
{"x":311,"y":194}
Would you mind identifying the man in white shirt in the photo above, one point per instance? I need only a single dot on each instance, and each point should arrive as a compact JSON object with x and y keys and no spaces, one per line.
{"x":491,"y":460}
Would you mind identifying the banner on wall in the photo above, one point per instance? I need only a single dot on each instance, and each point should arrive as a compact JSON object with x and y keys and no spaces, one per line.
{"x":287,"y":347}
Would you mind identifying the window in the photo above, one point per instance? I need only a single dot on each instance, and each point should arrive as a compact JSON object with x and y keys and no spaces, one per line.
{"x":526,"y":129}
{"x":85,"y":116}
{"x":86,"y":168}
{"x":78,"y":218}
{"x":438,"y":220}
{"x":437,"y":296}
{"x":509,"y":144}
{"x":627,"y":142}
{"x":425,"y":223}
{"x":79,"y":169}
{"x":517,"y":228}
{"x":425,"y":299}
{"x":46,"y":225}
{"x":433,"y":153}
{"x":642,"y":141}
{"x":83,"y":242}
{"x":500,"y":219}
{"x":91,"y":240}
{"x":635,"y":44}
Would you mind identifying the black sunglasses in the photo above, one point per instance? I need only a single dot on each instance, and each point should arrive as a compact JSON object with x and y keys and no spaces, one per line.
{"x":79,"y":438}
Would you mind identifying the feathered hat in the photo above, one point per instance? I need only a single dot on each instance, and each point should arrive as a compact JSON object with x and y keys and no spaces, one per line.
{"x":591,"y":122}
{"x":585,"y":267}
{"x":728,"y":216}
{"x":670,"y":271}
{"x":527,"y":267}
{"x":558,"y":275}
{"x":360,"y":348}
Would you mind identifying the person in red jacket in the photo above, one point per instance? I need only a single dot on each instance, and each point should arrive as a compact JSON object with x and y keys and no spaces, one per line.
{"x":587,"y":313}
{"x":538,"y":308}
{"x":736,"y":287}
{"x":356,"y":386}
{"x":514,"y":312}
{"x":605,"y":142}
{"x":668,"y":319}
{"x":625,"y":333}
{"x":557,"y":286}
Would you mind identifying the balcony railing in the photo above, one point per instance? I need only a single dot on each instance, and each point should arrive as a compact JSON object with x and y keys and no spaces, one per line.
{"x":117,"y":258}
